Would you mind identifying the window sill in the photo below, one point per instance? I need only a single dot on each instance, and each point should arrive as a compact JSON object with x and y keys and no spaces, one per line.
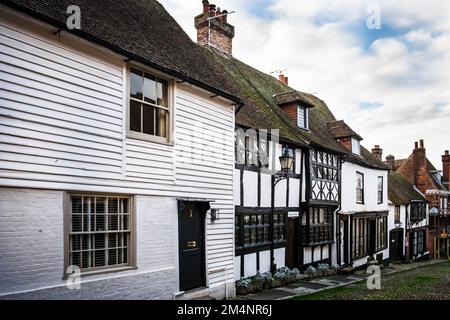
{"x":103,"y":271}
{"x":149,"y":138}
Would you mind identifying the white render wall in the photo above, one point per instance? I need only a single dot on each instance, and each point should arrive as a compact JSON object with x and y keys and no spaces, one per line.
{"x":348,"y":204}
{"x":62,"y":127}
{"x":348,"y":198}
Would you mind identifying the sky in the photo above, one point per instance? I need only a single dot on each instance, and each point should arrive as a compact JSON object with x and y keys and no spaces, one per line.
{"x":382,"y":66}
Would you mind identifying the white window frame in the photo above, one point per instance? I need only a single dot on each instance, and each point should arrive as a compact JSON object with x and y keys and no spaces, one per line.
{"x":359,"y":174}
{"x":380,"y":199}
{"x":356,"y":146}
{"x":170,"y":104}
{"x":304,"y":110}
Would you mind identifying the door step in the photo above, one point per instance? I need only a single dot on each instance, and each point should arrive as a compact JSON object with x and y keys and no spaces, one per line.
{"x":205,"y":298}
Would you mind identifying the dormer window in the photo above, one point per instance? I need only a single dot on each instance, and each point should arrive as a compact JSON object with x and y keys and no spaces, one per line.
{"x":302,"y":117}
{"x":356,"y":147}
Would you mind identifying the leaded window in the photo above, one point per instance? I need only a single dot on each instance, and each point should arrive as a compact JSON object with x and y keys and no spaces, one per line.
{"x":99,"y":232}
{"x":253,"y":230}
{"x":418,"y":211}
{"x":325,"y":176}
{"x":317,"y":226}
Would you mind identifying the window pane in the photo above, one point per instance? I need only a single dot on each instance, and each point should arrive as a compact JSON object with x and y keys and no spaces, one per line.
{"x":76,"y":205}
{"x":161,"y":92}
{"x":150,"y":88}
{"x":135,"y":116}
{"x":136,"y":84}
{"x":161,"y":122}
{"x":148,"y":122}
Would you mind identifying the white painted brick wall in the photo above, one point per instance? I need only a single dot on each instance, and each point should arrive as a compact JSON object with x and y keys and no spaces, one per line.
{"x":31,"y":239}
{"x":32,"y":252}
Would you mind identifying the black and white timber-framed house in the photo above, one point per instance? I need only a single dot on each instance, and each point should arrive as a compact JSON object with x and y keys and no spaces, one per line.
{"x":291,"y":221}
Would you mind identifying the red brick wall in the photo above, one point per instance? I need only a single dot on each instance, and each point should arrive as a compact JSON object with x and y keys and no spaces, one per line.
{"x":291,"y":111}
{"x":346,"y":143}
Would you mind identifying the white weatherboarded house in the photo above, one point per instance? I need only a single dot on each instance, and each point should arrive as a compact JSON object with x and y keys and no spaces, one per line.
{"x":116,"y":156}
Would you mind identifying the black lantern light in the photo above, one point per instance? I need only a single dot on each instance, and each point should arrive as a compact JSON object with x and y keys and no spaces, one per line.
{"x":286,"y":161}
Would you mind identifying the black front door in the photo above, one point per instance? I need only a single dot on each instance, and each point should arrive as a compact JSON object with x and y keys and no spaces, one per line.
{"x":191,"y":235}
{"x":396,"y":244}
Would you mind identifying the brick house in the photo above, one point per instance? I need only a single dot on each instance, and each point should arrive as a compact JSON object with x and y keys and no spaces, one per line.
{"x":421,"y":173}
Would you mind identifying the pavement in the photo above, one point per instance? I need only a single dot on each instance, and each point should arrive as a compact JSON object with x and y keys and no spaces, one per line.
{"x":305,"y":287}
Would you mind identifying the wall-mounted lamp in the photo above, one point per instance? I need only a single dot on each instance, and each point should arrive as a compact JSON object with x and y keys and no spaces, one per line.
{"x":214,"y":215}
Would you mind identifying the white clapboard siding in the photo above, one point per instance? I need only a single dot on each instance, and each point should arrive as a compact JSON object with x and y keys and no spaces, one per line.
{"x":62,"y":127}
{"x":205,"y":159}
{"x":148,"y":161}
{"x":57,"y":116}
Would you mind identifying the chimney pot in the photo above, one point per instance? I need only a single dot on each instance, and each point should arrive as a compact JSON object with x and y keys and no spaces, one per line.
{"x":212,"y":10}
{"x":446,"y":152}
{"x":421,"y":143}
{"x":215,"y":33}
{"x":390,"y":161}
{"x":205,"y":6}
{"x":225,"y":17}
{"x":416,"y":145}
{"x":283,"y":79}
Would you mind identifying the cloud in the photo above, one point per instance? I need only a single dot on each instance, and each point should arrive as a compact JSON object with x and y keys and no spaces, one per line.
{"x":391,"y":85}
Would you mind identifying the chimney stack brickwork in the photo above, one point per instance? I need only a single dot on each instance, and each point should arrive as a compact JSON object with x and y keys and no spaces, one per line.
{"x":446,"y":169}
{"x":420,"y":166}
{"x":378,"y":152}
{"x":283,"y":79}
{"x":221,"y":33}
{"x":390,"y":161}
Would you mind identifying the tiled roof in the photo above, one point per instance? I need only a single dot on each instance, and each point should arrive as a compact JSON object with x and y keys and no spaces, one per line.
{"x":400,"y":191}
{"x":339,"y":129}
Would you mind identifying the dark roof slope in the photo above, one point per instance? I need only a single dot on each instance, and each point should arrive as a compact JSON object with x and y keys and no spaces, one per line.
{"x":367,"y":159}
{"x":400,"y":191}
{"x":339,"y":129}
{"x":258,"y":91}
{"x":139,"y":29}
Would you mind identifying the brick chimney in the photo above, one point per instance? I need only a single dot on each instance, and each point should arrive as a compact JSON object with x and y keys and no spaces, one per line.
{"x":420,"y":166}
{"x":390,"y":161}
{"x":283,"y":79}
{"x":446,"y":169}
{"x":377,"y":152}
{"x":217,"y":32}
